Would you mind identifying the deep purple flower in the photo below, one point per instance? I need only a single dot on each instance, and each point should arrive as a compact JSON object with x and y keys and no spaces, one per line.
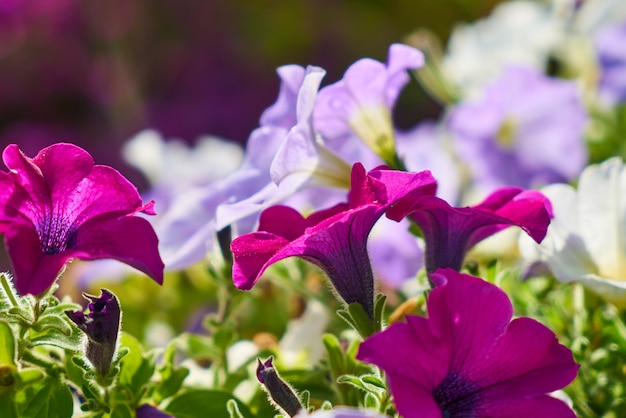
{"x":149,"y":411}
{"x":525,"y":130}
{"x":611,"y":54}
{"x":450,"y":232}
{"x":102,"y":326}
{"x":334,"y":239}
{"x":361,"y":102}
{"x":468,"y":358}
{"x":59,"y":205}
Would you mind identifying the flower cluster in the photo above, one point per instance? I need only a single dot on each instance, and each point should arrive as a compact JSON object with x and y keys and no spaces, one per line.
{"x":472,"y":266}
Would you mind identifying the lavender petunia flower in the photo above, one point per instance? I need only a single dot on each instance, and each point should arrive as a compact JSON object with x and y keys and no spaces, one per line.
{"x":525,"y":130}
{"x":611,"y":54}
{"x":450,"y":232}
{"x":59,"y":205}
{"x":360,"y":104}
{"x":102,"y":327}
{"x":468,"y":358}
{"x":334,"y":239}
{"x":296,"y":160}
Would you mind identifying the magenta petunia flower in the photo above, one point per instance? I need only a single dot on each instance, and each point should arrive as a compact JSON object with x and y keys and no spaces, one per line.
{"x":334,"y":239}
{"x":59,"y":205}
{"x":469,"y":359}
{"x":450,"y":232}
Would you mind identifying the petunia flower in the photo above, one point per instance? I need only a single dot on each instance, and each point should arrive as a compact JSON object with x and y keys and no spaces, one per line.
{"x":59,"y":205}
{"x":283,"y":159}
{"x":334,"y":239}
{"x":450,"y":232}
{"x":102,"y":327}
{"x":611,"y":55}
{"x":469,"y":359}
{"x":524,"y":130}
{"x":585,"y":242}
{"x":362,"y":101}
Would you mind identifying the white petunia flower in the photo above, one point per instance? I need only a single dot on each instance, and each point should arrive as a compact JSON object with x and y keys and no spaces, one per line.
{"x":586,"y":241}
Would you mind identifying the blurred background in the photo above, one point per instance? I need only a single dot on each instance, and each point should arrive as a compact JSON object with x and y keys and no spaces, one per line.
{"x":96,"y":72}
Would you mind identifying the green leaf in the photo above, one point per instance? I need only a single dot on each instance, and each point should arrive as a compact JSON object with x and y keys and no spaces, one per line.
{"x":352,"y":380}
{"x":122,"y":411}
{"x":53,"y":322}
{"x":30,"y":375}
{"x":7,"y":344}
{"x":136,"y":367}
{"x":374,"y":380}
{"x":335,"y":354}
{"x":205,"y":403}
{"x":49,"y":398}
{"x":355,"y":315}
{"x":199,"y":347}
{"x":7,"y":403}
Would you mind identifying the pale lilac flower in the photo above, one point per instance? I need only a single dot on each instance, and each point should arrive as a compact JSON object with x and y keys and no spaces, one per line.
{"x":611,"y":54}
{"x":59,"y":205}
{"x":525,"y":130}
{"x":334,"y":239}
{"x":291,"y":157}
{"x":449,"y":232}
{"x":360,"y":104}
{"x":585,"y":241}
{"x":469,"y":358}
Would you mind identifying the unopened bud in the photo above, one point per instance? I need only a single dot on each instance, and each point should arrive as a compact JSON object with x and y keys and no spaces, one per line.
{"x":102,"y":327}
{"x":282,"y":394}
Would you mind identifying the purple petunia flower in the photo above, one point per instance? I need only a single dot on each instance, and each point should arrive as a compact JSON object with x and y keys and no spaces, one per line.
{"x":468,"y":358}
{"x":525,"y":130}
{"x":102,"y":327}
{"x":450,"y":232}
{"x":59,"y":205}
{"x":149,"y":411}
{"x":334,"y":239}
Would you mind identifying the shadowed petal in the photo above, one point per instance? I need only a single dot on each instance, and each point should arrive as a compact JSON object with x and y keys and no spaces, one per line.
{"x":450,"y":232}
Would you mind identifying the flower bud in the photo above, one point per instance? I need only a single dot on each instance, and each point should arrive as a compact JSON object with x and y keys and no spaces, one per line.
{"x":101,"y":325}
{"x":282,"y":394}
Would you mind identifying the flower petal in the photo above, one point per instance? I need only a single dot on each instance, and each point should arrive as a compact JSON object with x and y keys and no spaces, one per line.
{"x":129,"y":239}
{"x":34,"y":271}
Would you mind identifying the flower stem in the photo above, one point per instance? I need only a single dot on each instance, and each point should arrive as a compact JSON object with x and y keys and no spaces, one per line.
{"x":6,"y":286}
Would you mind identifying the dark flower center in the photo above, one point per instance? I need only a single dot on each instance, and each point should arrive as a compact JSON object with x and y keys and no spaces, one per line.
{"x":55,"y":234}
{"x":457,"y":397}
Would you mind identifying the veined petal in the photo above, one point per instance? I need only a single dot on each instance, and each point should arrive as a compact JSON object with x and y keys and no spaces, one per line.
{"x":129,"y":239}
{"x":34,"y":270}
